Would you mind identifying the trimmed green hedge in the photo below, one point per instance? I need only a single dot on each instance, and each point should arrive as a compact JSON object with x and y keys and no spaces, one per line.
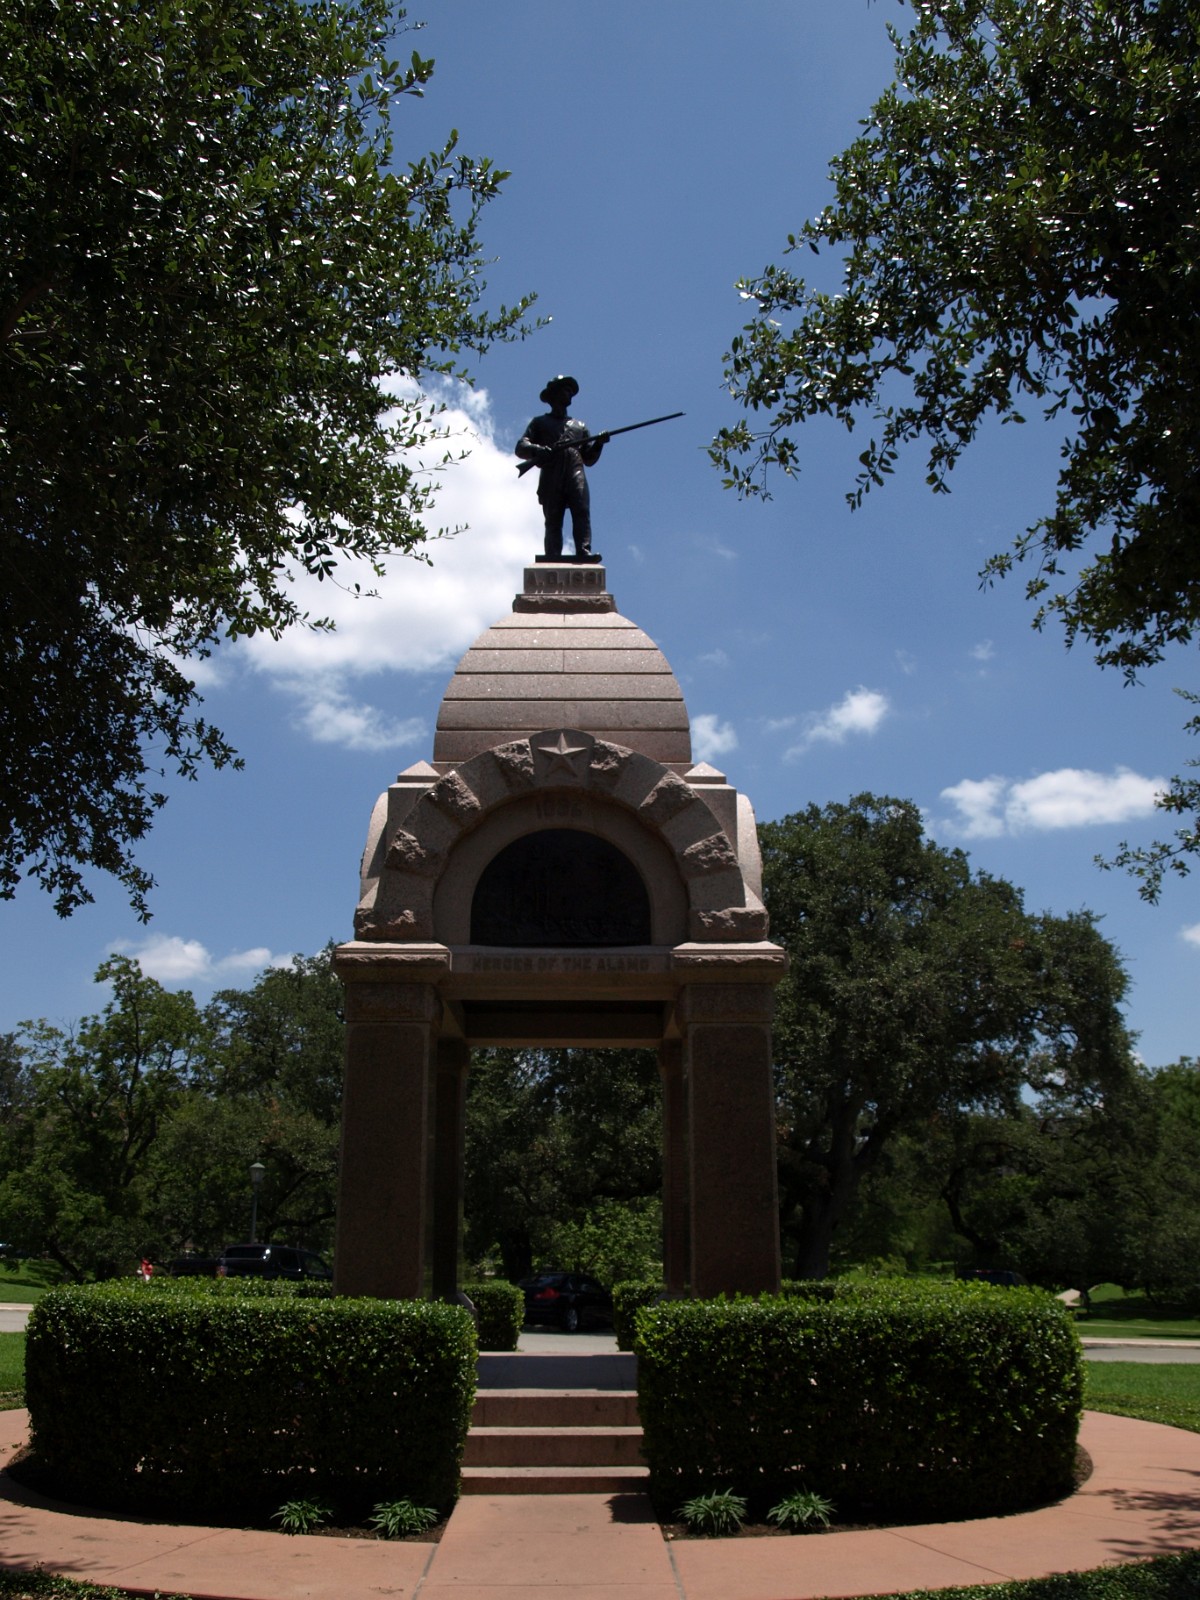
{"x":198,"y":1403}
{"x":239,"y":1288}
{"x":500,"y":1307}
{"x":819,"y":1288}
{"x":895,"y":1400}
{"x":632,"y":1295}
{"x":628,"y":1299}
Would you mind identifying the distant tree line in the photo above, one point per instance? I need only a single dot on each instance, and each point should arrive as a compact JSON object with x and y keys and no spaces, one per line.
{"x":132,"y":1134}
{"x":955,"y":1084}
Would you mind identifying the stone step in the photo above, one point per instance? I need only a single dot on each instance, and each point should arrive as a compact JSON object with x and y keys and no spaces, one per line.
{"x":530,"y":1435}
{"x":555,"y":1408}
{"x":554,"y":1447}
{"x":553,"y":1480}
{"x":610,"y":1369}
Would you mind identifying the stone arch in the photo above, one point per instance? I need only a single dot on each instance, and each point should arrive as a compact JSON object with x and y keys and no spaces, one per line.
{"x":565,"y":887}
{"x":557,"y":808}
{"x":412,"y":858}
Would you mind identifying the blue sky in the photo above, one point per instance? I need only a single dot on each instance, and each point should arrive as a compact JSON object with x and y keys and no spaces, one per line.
{"x":659,"y":152}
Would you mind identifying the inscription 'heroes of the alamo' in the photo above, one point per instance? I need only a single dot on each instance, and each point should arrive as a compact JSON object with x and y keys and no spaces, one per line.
{"x":560,"y":873}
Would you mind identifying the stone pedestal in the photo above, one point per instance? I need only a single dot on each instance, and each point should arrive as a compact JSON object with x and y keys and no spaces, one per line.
{"x":565,"y":586}
{"x":731,"y":1138}
{"x":391,"y":1032}
{"x":674,"y":1164}
{"x":449,"y":1138}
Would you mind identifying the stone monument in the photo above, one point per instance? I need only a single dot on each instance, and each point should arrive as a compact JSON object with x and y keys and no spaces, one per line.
{"x":561,"y":873}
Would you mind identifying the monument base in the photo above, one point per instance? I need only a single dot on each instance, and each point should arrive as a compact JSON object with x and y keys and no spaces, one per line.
{"x":562,"y":583}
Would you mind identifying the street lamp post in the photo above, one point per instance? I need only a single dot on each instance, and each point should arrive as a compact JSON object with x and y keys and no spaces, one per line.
{"x":256,"y":1177}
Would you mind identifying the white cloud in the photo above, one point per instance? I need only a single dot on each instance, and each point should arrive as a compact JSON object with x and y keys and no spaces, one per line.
{"x":712,"y":737}
{"x":713,"y":658}
{"x":206,"y":672}
{"x":906,"y":662}
{"x":859,"y":711}
{"x":1192,"y":934}
{"x":1071,"y":797}
{"x":984,"y":651}
{"x":714,"y":547}
{"x":169,"y":959}
{"x":330,"y":716}
{"x":417,"y":618}
{"x":778,"y":724}
{"x":979,"y":802}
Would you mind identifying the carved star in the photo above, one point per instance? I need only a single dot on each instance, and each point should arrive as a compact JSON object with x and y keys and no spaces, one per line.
{"x":562,"y":754}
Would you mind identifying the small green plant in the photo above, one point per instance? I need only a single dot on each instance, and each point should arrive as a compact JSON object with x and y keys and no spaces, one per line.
{"x":721,"y":1512}
{"x":804,"y":1509}
{"x":396,"y":1518}
{"x":301,"y":1516}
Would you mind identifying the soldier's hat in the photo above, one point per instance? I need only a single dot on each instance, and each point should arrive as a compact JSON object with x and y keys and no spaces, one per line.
{"x":557,"y":385}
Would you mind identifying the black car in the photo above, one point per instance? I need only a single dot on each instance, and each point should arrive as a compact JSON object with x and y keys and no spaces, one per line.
{"x":566,"y":1300}
{"x":271,"y":1261}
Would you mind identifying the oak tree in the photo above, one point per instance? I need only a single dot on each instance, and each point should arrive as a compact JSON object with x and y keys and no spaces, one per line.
{"x":75,"y":1156}
{"x":1018,"y":224}
{"x":916,"y":989}
{"x":221,"y":287}
{"x":563,"y":1156}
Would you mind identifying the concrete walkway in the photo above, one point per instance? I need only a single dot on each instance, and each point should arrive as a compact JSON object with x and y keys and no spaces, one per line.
{"x":1153,"y":1352}
{"x":13,"y":1316}
{"x":1143,"y":1499}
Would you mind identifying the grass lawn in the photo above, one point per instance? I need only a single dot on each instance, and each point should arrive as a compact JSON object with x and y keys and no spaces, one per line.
{"x":1170,"y":1393}
{"x":12,"y":1371}
{"x":27,"y":1281}
{"x":1117,"y":1315}
{"x":1164,"y":1327}
{"x":43,"y":1586}
{"x":1166,"y":1578}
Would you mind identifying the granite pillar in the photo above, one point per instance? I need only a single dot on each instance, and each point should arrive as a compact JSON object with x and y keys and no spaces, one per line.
{"x":731,"y":1138}
{"x":391,"y":1036}
{"x":449,"y":1149}
{"x":674,"y":1164}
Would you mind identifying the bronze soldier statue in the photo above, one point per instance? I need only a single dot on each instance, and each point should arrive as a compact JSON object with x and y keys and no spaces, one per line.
{"x":562,"y":447}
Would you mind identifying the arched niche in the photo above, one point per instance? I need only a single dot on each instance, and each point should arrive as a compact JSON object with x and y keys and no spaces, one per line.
{"x":638,"y":849}
{"x":560,"y":886}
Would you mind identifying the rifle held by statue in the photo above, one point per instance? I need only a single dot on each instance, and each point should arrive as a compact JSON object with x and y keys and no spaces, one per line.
{"x":589,"y":438}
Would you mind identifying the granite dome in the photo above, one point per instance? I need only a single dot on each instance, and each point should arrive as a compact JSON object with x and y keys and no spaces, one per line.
{"x":595,"y":671}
